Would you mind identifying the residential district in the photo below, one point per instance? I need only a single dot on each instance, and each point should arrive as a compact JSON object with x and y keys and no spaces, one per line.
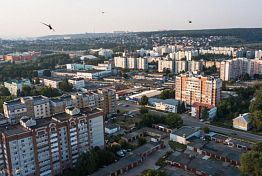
{"x":182,"y":107}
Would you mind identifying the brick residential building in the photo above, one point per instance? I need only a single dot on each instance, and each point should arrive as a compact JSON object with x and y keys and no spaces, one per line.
{"x":196,"y":88}
{"x":49,"y":145}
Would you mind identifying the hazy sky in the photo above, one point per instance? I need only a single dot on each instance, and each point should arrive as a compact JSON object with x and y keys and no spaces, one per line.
{"x":21,"y":18}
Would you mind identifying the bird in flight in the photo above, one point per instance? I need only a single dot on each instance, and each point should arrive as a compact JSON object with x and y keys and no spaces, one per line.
{"x":49,"y":25}
{"x":189,"y":21}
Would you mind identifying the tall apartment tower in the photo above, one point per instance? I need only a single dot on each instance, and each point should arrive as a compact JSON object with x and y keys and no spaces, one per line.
{"x":47,"y":146}
{"x":195,"y":88}
{"x":166,"y":64}
{"x":107,"y":101}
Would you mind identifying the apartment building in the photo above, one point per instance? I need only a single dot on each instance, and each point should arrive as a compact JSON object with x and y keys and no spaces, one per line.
{"x":107,"y":101}
{"x":142,"y":63}
{"x":166,"y":65}
{"x":51,"y":82}
{"x":131,"y":63}
{"x":181,"y":66}
{"x":48,"y":146}
{"x":195,"y":66}
{"x":195,"y":88}
{"x":16,"y":86}
{"x":37,"y":106}
{"x":120,"y":62}
{"x":235,"y":68}
{"x":77,"y":83}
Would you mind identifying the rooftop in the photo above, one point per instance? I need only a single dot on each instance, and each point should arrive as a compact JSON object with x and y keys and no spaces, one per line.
{"x":11,"y":130}
{"x":211,"y":167}
{"x":217,"y":148}
{"x":185,"y":131}
{"x":83,"y":112}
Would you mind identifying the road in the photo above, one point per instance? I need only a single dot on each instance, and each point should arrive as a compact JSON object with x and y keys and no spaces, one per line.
{"x":194,"y":122}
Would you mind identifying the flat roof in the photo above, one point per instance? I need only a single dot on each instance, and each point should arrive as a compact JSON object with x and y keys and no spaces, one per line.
{"x":220,"y":149}
{"x":83,"y":112}
{"x":122,"y":163}
{"x":211,"y":167}
{"x":185,"y":131}
{"x":11,"y":130}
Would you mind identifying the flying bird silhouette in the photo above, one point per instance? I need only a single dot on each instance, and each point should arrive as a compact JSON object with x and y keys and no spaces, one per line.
{"x":189,"y":22}
{"x":49,"y":25}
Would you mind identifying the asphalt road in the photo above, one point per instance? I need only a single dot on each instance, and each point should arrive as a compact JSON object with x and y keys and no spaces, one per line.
{"x":194,"y":122}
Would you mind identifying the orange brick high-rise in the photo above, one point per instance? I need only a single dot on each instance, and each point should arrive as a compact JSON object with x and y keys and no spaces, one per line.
{"x":196,"y":88}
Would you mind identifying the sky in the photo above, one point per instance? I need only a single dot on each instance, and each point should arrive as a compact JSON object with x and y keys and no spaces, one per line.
{"x":21,"y":18}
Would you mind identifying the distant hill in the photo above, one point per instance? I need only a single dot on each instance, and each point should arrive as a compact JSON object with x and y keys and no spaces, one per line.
{"x":246,"y":34}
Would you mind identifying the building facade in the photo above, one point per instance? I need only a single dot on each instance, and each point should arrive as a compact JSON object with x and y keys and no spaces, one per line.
{"x":195,"y":88}
{"x":48,"y":146}
{"x":166,"y":65}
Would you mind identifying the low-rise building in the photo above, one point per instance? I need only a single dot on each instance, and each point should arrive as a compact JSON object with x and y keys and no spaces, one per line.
{"x":93,"y":74}
{"x":184,"y":133}
{"x":148,"y":93}
{"x":111,"y":129}
{"x":77,"y":83}
{"x":133,"y":160}
{"x":36,"y":106}
{"x":16,"y":86}
{"x":168,"y":105}
{"x":198,"y":165}
{"x":51,"y":82}
{"x":197,"y":109}
{"x":242,"y":122}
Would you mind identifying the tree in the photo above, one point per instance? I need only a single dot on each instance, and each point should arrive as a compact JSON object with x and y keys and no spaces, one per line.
{"x":26,"y":90}
{"x":174,"y":120}
{"x":141,"y":141}
{"x":4,"y":91}
{"x":204,"y":113}
{"x":256,"y":110}
{"x":151,"y":172}
{"x":166,"y":94}
{"x":37,"y":80}
{"x":49,"y":92}
{"x":206,"y":129}
{"x":65,"y":86}
{"x":144,"y":100}
{"x":181,"y":108}
{"x":251,"y":163}
{"x":256,"y":120}
{"x":143,"y":110}
{"x":47,"y":73}
{"x":257,"y":147}
{"x":125,"y":76}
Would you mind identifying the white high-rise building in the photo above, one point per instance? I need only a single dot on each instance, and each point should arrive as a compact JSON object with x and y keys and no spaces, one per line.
{"x":131,"y":63}
{"x":142,"y":63}
{"x":233,"y":69}
{"x":166,"y":64}
{"x":120,"y":62}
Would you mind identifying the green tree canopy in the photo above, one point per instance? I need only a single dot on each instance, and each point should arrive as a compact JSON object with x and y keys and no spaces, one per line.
{"x":174,"y":120}
{"x":143,"y":110}
{"x":166,"y":94}
{"x":65,"y":86}
{"x":151,"y":172}
{"x":4,"y":91}
{"x":144,"y":100}
{"x":204,"y":113}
